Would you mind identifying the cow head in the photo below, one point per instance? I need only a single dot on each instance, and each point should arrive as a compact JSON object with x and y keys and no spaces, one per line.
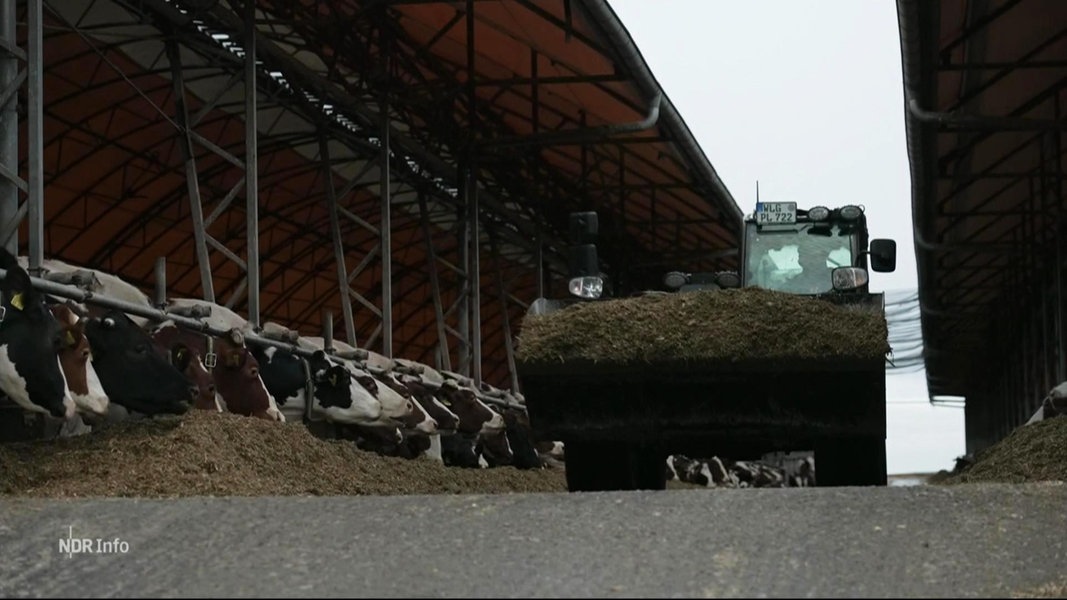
{"x":447,"y":421}
{"x":520,"y":436}
{"x":285,"y":375}
{"x":75,"y":359}
{"x":495,"y":448}
{"x":186,"y":350}
{"x":474,"y":415}
{"x":396,"y":409}
{"x":417,"y":421}
{"x":30,"y":338}
{"x":133,"y":374}
{"x":338,"y":395}
{"x":238,"y":381}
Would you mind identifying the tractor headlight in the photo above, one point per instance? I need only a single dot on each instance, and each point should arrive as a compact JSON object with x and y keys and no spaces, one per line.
{"x":849,"y":278}
{"x":588,"y":287}
{"x":819,"y":213}
{"x":850,"y":212}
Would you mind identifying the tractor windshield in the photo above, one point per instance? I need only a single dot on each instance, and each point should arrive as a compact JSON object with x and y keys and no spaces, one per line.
{"x":796,"y":259}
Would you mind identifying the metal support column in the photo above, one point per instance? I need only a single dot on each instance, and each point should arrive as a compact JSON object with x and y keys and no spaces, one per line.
{"x":540,"y":257}
{"x":462,"y":303}
{"x":251,"y":162}
{"x":35,"y":134}
{"x":435,"y":285}
{"x":473,"y":267}
{"x":192,"y":181}
{"x":10,"y":81}
{"x":386,"y":226}
{"x":505,"y":323}
{"x":1057,"y":175}
{"x":474,"y":275}
{"x":335,"y":236}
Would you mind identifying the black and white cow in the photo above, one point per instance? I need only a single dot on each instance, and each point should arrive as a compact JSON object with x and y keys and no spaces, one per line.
{"x":133,"y":373}
{"x":717,"y":472}
{"x":337,"y":396}
{"x":30,"y":339}
{"x":1054,"y":404}
{"x":521,"y":438}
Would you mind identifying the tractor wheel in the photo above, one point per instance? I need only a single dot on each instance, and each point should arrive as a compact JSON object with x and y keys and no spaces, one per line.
{"x":851,"y":462}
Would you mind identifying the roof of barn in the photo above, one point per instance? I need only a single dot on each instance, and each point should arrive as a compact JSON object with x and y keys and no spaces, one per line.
{"x":552,"y":104}
{"x":984,"y":93}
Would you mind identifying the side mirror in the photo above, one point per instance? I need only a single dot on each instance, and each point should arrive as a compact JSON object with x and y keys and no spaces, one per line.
{"x":883,"y":255}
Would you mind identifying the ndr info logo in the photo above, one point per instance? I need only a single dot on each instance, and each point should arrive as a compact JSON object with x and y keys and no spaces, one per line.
{"x":72,"y":545}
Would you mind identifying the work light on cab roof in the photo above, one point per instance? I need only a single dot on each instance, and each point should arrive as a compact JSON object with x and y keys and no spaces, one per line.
{"x":586,"y":281}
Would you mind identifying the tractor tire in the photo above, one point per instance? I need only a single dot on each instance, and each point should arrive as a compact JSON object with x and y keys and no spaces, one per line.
{"x":856,"y":461}
{"x":613,"y":466}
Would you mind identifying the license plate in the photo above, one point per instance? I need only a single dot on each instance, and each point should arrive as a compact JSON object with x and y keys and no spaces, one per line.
{"x":776,"y":213}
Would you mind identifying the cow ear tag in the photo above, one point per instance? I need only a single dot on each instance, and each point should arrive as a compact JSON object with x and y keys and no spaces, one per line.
{"x":70,"y":339}
{"x":16,"y":301}
{"x":333,"y":379}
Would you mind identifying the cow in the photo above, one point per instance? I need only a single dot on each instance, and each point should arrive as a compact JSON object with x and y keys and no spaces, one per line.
{"x":30,"y":339}
{"x":237,"y":373}
{"x":475,"y":416}
{"x":427,"y":445}
{"x":99,"y":283}
{"x":798,"y":467}
{"x":494,"y":449}
{"x":476,"y":419}
{"x":395,"y":409}
{"x":238,"y":379}
{"x":336,"y":396}
{"x":757,"y":474}
{"x":418,"y":421}
{"x":1054,"y":404}
{"x":552,"y":454}
{"x":425,"y":396}
{"x":717,"y":472}
{"x":75,"y":358}
{"x":220,"y":317}
{"x":133,"y":374}
{"x":186,"y":350}
{"x":459,"y":450}
{"x":520,"y":437}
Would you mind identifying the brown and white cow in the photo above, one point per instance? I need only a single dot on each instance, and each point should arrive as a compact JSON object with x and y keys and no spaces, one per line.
{"x":75,"y":358}
{"x":237,"y":371}
{"x":187,"y":351}
{"x":238,"y":380}
{"x":475,"y":416}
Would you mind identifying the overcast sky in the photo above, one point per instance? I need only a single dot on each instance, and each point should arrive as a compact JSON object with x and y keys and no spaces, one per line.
{"x":806,"y":98}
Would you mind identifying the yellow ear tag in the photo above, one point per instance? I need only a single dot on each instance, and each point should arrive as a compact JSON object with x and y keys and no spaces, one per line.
{"x":16,"y":301}
{"x":70,"y":339}
{"x":181,"y":353}
{"x":333,"y":380}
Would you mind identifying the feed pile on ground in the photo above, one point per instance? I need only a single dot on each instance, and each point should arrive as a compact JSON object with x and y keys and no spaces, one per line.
{"x":222,"y":454}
